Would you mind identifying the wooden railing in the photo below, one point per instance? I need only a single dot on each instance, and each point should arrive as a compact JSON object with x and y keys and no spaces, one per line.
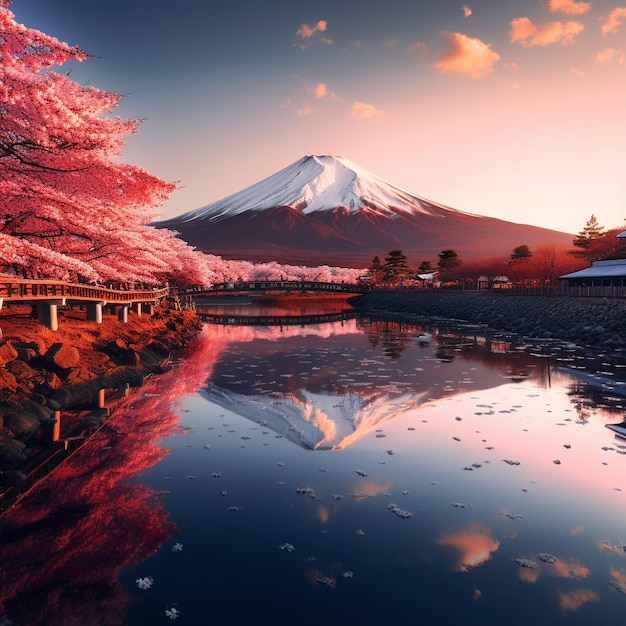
{"x":278,"y":285}
{"x":16,"y":289}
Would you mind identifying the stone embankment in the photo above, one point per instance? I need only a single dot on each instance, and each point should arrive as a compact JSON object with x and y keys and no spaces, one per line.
{"x":42,"y":371}
{"x":594,"y":322}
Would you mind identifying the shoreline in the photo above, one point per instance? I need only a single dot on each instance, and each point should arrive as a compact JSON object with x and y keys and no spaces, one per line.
{"x":67,"y":374}
{"x":597,"y":323}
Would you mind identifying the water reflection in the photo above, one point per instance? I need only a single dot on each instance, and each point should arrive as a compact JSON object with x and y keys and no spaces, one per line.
{"x":325,"y":394}
{"x":62,"y":546}
{"x":446,"y":463}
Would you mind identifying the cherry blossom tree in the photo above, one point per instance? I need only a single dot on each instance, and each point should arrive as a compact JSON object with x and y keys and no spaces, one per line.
{"x":68,"y":206}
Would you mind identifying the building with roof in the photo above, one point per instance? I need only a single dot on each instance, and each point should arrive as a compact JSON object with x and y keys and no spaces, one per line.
{"x":611,"y":273}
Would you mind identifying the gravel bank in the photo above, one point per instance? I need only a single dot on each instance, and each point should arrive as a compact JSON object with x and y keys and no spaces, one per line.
{"x":593,"y":322}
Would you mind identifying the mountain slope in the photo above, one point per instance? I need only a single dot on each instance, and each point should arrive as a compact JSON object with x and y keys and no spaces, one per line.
{"x":324,"y":209}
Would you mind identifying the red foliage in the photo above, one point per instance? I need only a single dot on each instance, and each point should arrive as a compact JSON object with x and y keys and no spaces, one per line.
{"x":67,"y":541}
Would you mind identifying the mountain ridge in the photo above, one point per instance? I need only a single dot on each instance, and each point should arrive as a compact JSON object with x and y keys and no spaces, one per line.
{"x":328,"y":210}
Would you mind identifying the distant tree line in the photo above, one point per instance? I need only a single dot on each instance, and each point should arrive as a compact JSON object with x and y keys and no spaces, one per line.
{"x":524,"y":266}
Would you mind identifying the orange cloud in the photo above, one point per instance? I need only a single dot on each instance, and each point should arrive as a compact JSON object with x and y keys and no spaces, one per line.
{"x":613,"y":23}
{"x":528,"y":574}
{"x":466,"y":55}
{"x":306,"y":32}
{"x":577,"y":71}
{"x":467,"y":10}
{"x":474,"y":543}
{"x":618,"y":576}
{"x":321,"y":91}
{"x":306,"y":109}
{"x":569,"y":7}
{"x":580,"y":528}
{"x":570,"y":569}
{"x":528,"y":34}
{"x":609,"y":53}
{"x":323,"y":514}
{"x":571,"y":601}
{"x":364,"y":111}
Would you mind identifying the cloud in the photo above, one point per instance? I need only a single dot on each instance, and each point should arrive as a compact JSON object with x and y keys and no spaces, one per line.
{"x":569,"y":7}
{"x":467,"y":10}
{"x":306,"y":32}
{"x":417,"y":46}
{"x":321,"y":91}
{"x":364,"y":111}
{"x":474,"y":545}
{"x":609,"y":53}
{"x":618,"y":576}
{"x":528,"y":34}
{"x":305,"y":109}
{"x":613,"y":23}
{"x":570,"y":569}
{"x":577,"y":71}
{"x":571,"y":601}
{"x":466,"y":55}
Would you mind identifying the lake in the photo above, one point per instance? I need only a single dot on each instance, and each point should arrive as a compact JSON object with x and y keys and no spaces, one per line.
{"x":352,"y":472}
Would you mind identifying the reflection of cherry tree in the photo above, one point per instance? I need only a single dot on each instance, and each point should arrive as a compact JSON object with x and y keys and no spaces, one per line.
{"x":69,"y":538}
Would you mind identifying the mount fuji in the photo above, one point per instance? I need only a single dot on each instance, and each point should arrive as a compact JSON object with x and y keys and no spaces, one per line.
{"x":328,"y":210}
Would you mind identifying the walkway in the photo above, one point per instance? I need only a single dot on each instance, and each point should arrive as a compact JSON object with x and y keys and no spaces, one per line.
{"x":47,"y":295}
{"x":276,"y":285}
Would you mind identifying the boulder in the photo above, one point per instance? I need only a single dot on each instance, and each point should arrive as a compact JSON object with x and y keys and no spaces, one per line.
{"x":23,"y":425}
{"x":62,"y":356}
{"x":11,"y":454}
{"x":7,"y":353}
{"x":19,"y":369}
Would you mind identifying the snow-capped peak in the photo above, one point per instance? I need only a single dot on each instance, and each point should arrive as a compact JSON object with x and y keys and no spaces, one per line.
{"x":318,"y":183}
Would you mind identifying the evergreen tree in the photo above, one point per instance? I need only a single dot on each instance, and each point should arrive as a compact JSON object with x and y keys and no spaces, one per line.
{"x":376,"y":270}
{"x":396,"y":267}
{"x":521,"y":252}
{"x":587,"y":236}
{"x":448,"y":260}
{"x":425,"y":267}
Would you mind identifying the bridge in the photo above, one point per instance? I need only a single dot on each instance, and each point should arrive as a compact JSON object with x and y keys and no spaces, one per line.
{"x":289,"y":286}
{"x":48,"y":295}
{"x":276,"y":320}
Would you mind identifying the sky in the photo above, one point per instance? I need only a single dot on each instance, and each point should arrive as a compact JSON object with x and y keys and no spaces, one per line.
{"x":504,"y":108}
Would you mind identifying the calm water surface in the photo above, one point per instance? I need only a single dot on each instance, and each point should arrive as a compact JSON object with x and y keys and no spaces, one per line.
{"x":359,"y":472}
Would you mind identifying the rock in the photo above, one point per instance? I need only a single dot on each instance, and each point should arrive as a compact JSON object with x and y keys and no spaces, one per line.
{"x":22,"y":425}
{"x":120,"y":353}
{"x":11,"y":454}
{"x":8,"y":382}
{"x":62,"y":356}
{"x":7,"y":353}
{"x":11,"y":477}
{"x":158,"y":348}
{"x":20,"y":369}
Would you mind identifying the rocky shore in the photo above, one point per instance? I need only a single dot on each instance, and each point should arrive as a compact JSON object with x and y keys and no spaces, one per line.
{"x":42,"y":371}
{"x":592,"y":322}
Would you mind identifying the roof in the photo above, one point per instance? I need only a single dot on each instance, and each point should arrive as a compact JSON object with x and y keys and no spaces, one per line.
{"x":495,"y":279}
{"x":615,"y":268}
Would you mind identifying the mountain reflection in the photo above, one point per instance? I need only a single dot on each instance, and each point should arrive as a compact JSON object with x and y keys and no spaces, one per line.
{"x":324,"y":395}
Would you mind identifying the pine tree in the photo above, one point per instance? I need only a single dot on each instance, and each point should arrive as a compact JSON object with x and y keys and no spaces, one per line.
{"x":448,"y":260}
{"x":395,"y":267}
{"x":587,"y":236}
{"x":521,"y":252}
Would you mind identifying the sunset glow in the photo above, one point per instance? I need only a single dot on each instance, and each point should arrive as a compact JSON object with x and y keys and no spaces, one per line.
{"x":508,"y":110}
